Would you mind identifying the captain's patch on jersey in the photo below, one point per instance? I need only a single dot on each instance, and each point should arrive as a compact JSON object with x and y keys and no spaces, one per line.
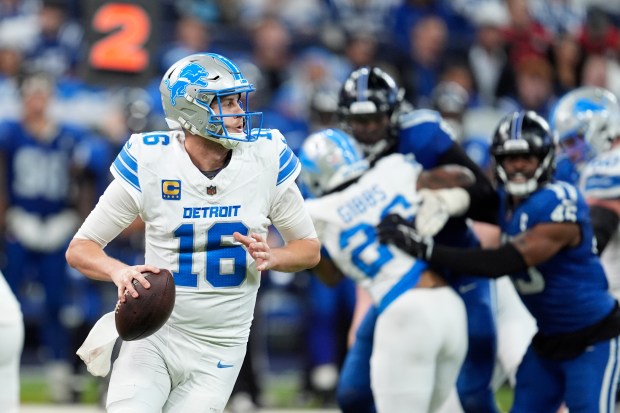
{"x":171,"y":189}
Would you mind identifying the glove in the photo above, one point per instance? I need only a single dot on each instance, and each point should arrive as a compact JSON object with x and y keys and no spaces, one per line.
{"x":437,"y":207}
{"x":396,"y":230}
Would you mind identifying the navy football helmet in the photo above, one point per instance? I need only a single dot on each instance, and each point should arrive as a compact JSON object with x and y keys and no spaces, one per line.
{"x":370,"y":94}
{"x":524,"y":133}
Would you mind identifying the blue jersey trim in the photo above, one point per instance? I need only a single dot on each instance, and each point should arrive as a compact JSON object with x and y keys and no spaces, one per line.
{"x":128,"y":175}
{"x":288,"y":165}
{"x":408,"y":281}
{"x":129,"y":160}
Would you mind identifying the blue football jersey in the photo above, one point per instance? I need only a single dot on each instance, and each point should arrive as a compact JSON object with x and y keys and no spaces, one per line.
{"x":39,"y":172}
{"x":569,"y":291}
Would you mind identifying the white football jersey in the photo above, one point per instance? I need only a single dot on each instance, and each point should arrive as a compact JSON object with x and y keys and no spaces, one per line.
{"x":190,"y":220}
{"x":600,"y":179}
{"x":10,"y":310}
{"x":346,"y":220}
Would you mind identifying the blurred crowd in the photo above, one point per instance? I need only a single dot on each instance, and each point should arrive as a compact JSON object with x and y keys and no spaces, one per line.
{"x":471,"y":60}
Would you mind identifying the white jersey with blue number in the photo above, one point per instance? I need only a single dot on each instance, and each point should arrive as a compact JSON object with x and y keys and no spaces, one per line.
{"x":600,"y":179}
{"x":190,"y":220}
{"x":346,"y":220}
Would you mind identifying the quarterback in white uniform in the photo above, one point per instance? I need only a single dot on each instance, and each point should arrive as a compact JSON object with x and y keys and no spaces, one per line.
{"x":420,"y":338}
{"x":207,"y":194}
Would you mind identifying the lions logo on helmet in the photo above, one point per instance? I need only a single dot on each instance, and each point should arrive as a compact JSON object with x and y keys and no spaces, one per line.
{"x":586,"y":119}
{"x":329,"y":158}
{"x":190,"y":74}
{"x":191,"y":91}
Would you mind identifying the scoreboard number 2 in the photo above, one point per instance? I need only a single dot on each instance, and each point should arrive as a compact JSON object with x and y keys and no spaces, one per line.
{"x":121,"y":41}
{"x":122,"y":49}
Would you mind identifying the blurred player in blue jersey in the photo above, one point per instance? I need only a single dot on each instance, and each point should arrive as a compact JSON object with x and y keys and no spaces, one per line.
{"x":207,"y":191}
{"x":46,"y":187}
{"x":372,"y":106}
{"x":549,"y":253}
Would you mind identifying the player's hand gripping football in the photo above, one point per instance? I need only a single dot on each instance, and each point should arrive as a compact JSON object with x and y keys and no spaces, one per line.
{"x":396,"y":230}
{"x":125,"y":277}
{"x":258,"y":248}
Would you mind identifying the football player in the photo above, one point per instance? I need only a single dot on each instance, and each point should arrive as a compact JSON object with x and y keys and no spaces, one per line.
{"x":587,"y":121}
{"x":420,"y":336}
{"x":375,"y":113}
{"x":208,"y":192}
{"x":550,"y":255}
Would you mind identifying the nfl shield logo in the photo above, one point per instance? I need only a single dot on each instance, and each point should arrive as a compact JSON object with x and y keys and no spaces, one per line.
{"x":211,"y":190}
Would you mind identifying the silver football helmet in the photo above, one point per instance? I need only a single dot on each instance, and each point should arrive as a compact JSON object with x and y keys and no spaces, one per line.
{"x":329,"y":158}
{"x":590,"y":118}
{"x":192,"y":85}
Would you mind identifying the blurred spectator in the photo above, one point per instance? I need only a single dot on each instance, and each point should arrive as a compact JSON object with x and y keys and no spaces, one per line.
{"x":271,"y":52}
{"x":455,"y":15}
{"x":603,"y":72}
{"x":534,"y":87}
{"x":599,"y":34}
{"x":57,"y":45}
{"x":11,"y":59}
{"x":206,"y":11}
{"x":305,"y":18}
{"x":45,"y":191}
{"x":18,"y":23}
{"x":487,"y":55}
{"x":459,"y":72}
{"x":451,"y":100}
{"x":524,"y":35}
{"x":372,"y":16}
{"x":559,"y":16}
{"x":567,"y":58}
{"x":426,"y":57}
{"x":192,"y":35}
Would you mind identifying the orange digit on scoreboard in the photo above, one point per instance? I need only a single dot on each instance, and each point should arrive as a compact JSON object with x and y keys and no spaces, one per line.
{"x":123,"y":49}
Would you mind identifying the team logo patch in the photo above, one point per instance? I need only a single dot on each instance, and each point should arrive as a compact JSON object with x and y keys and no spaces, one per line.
{"x":171,"y":189}
{"x":191,"y":74}
{"x":211,"y":190}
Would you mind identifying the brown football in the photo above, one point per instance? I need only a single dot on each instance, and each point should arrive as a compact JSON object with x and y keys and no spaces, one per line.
{"x":140,"y":317}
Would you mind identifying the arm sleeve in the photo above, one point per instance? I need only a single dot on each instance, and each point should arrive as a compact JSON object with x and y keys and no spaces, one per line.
{"x":484,"y":201}
{"x":114,"y":212}
{"x":605,"y":223}
{"x":290,"y":217}
{"x":491,"y":263}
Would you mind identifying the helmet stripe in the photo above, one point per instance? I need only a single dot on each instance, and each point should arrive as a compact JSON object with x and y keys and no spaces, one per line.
{"x":344,"y":142}
{"x":362,"y":85}
{"x":517,"y":123}
{"x":234,"y":69}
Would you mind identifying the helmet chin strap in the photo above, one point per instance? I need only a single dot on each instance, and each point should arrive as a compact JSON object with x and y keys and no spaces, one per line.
{"x":226,"y":143}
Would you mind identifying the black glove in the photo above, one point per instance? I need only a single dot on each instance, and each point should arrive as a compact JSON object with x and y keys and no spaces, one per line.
{"x":396,"y":230}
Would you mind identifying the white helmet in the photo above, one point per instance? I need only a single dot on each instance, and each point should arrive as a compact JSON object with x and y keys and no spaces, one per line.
{"x":330,"y":158}
{"x":188,"y":90}
{"x":589,"y":113}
